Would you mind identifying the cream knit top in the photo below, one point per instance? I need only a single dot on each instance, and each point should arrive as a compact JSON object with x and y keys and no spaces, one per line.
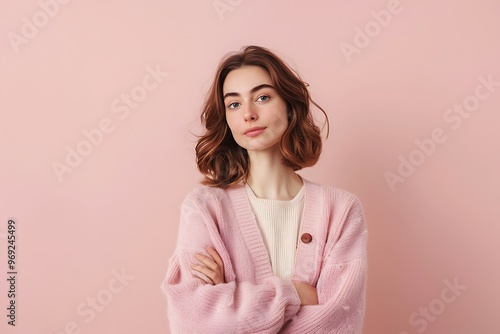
{"x":279,"y":223}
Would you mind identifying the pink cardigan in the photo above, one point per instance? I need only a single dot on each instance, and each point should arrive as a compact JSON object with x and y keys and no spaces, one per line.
{"x":253,"y":300}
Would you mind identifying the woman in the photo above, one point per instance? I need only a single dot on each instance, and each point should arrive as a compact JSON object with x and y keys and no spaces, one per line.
{"x":260,"y":249}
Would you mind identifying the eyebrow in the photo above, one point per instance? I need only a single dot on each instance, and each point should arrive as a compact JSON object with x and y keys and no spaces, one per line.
{"x":253,"y":90}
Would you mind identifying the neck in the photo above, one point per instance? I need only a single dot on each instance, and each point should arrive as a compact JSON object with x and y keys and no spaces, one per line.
{"x":270,"y":179}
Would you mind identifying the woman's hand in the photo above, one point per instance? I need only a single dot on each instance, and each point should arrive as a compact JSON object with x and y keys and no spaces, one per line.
{"x":307,"y":293}
{"x":211,"y":266}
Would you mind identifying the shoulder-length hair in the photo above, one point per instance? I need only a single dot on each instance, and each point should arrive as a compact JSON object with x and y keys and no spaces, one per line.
{"x":220,"y":159}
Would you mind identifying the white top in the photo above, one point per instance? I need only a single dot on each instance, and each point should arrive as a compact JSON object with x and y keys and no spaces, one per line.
{"x":279,"y":223}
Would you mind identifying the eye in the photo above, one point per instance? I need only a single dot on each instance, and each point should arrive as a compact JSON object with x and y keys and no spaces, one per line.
{"x":233,"y":105}
{"x":263,"y":98}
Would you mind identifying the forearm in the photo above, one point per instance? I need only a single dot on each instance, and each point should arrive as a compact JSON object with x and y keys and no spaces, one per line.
{"x":341,"y":293}
{"x":197,"y":307}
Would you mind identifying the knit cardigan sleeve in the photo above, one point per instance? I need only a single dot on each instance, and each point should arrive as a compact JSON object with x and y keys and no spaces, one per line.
{"x":342,"y":282}
{"x":232,"y":307}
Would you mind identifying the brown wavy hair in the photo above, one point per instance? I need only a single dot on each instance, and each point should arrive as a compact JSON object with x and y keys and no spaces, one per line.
{"x":220,"y":159}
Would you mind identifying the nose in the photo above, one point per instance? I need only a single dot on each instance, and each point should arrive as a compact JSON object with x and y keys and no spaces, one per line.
{"x":250,"y":113}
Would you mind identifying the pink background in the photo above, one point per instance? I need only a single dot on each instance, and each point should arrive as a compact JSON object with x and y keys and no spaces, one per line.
{"x":118,"y":208}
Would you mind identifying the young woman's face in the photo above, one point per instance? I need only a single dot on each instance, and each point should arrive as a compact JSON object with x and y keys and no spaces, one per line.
{"x":255,"y":113}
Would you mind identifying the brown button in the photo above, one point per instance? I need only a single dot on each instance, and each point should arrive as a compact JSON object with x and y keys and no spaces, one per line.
{"x":306,"y":238}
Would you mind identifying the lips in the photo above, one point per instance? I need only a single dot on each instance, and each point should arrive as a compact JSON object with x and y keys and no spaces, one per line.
{"x":255,"y":131}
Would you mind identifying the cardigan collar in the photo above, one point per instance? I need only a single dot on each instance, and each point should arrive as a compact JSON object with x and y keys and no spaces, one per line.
{"x":306,"y":258}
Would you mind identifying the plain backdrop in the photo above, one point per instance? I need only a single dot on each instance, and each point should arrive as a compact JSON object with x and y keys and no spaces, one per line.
{"x":97,"y":153}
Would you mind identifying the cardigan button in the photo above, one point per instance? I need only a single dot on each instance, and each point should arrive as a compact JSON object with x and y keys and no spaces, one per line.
{"x":306,"y":238}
